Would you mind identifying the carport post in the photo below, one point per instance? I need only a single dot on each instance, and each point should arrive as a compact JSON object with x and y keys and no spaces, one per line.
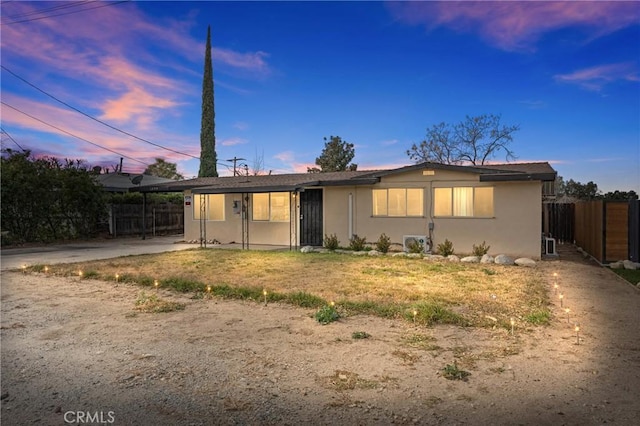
{"x":144,"y":215}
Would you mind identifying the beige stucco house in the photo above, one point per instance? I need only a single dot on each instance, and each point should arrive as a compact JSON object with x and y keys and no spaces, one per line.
{"x":500,"y":204}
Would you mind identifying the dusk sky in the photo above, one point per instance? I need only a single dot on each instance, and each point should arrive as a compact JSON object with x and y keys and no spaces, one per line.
{"x":287,"y":74}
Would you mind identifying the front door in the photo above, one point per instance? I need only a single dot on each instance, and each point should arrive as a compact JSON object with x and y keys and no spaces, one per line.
{"x":311,"y":217}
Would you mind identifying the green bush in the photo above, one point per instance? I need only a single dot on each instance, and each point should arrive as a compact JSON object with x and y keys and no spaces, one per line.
{"x":383,"y":244}
{"x":331,"y":241}
{"x":327,"y":314}
{"x":445,"y":249}
{"x":480,"y":250}
{"x":357,"y":243}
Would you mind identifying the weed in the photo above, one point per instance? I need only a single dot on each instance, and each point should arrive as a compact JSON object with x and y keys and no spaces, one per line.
{"x":452,"y":372}
{"x":446,"y":248}
{"x":481,"y":249}
{"x":346,"y":380}
{"x":383,"y":244}
{"x":360,"y":335}
{"x":357,"y":243}
{"x":331,"y":242}
{"x":488,"y":271}
{"x":327,"y":314}
{"x":90,"y":274}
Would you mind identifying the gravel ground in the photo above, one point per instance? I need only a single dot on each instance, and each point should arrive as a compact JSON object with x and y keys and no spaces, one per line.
{"x":76,"y":352}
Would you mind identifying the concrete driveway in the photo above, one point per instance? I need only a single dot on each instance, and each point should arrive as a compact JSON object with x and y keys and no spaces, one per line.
{"x":89,"y":250}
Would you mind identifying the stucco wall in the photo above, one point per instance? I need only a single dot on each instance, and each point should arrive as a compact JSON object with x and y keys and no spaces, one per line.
{"x":515,"y":228}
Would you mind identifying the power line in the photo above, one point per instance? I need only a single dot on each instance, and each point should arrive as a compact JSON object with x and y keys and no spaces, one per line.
{"x":45,"y":10}
{"x":12,"y":139}
{"x":71,"y":134}
{"x":94,"y":118}
{"x":67,"y":13}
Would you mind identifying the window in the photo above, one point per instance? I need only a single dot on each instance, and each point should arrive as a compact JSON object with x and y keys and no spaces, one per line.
{"x":398,"y":202}
{"x":271,"y":206}
{"x":214,"y":206}
{"x":463,"y":202}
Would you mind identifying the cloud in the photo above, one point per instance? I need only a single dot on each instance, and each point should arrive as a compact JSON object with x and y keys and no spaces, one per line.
{"x":518,"y":25}
{"x":595,"y":78}
{"x":233,"y":141}
{"x":251,"y":61}
{"x":390,"y":142}
{"x":241,"y":125}
{"x":285,"y":156}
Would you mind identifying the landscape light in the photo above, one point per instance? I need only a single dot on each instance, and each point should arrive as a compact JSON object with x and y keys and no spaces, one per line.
{"x":513,"y":323}
{"x":577,"y":328}
{"x":264,"y":293}
{"x":567,"y":310}
{"x":561,"y":296}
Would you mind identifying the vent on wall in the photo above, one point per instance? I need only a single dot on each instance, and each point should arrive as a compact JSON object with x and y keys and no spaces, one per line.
{"x":409,"y":240}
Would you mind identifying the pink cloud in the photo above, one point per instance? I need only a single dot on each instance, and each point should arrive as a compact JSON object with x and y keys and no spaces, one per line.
{"x":518,"y":25}
{"x":594,"y":78}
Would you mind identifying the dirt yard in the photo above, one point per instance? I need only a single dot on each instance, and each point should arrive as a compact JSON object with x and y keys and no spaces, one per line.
{"x":76,"y":352}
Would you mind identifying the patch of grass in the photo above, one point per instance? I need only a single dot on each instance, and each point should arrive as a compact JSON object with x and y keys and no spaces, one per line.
{"x":407,"y":357}
{"x":304,"y":300}
{"x":429,"y":314}
{"x":420,"y":341}
{"x":538,"y":317}
{"x":452,"y":372}
{"x":631,"y":275}
{"x":343,"y":380}
{"x":153,"y":304}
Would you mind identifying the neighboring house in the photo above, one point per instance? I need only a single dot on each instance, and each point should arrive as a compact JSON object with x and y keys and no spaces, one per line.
{"x":500,"y":204}
{"x":122,"y":182}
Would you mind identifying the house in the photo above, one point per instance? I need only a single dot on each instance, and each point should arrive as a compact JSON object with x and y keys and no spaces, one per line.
{"x":500,"y":204}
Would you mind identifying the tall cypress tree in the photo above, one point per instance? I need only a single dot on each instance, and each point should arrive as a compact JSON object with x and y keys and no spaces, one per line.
{"x":208,"y":157}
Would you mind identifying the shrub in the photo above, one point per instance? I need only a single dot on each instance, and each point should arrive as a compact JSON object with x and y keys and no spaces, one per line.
{"x":383,"y":244}
{"x":481,"y":250}
{"x":414,"y":246}
{"x":357,"y":243}
{"x":331,"y":241}
{"x":452,"y":372}
{"x":445,"y":249}
{"x":360,"y":335}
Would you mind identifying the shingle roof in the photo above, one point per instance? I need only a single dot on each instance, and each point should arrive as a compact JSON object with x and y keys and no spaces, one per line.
{"x":294,"y":181}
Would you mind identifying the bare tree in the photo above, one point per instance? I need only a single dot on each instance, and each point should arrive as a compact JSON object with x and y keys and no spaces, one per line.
{"x":474,"y":140}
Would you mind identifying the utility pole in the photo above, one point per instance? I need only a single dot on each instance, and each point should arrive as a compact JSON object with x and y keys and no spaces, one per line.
{"x":235,"y":160}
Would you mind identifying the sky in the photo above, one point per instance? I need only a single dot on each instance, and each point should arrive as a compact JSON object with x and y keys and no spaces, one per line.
{"x":288,"y":74}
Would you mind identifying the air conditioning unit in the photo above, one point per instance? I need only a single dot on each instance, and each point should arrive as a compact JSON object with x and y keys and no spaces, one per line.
{"x":408,"y":240}
{"x":550,"y":246}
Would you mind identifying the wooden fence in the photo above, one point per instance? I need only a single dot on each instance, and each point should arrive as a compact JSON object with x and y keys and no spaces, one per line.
{"x":607,"y":230}
{"x":126,"y":219}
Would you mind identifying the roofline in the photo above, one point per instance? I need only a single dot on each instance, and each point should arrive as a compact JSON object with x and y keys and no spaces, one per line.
{"x":506,"y":177}
{"x":281,"y":188}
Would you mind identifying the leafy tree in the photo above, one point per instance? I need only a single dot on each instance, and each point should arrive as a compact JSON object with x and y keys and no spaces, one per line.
{"x":162,"y":168}
{"x":208,"y":156}
{"x":335,"y":156}
{"x":580,"y":191}
{"x":621,"y":195}
{"x":44,"y":199}
{"x":474,"y":140}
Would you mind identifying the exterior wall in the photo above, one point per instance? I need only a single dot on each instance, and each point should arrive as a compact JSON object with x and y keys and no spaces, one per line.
{"x":515,"y":228}
{"x":230,"y":230}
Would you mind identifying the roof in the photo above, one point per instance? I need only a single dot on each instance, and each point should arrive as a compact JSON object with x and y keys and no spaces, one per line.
{"x":122,"y":182}
{"x":298,"y":181}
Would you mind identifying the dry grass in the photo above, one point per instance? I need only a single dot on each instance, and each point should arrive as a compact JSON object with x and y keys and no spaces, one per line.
{"x":474,"y":291}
